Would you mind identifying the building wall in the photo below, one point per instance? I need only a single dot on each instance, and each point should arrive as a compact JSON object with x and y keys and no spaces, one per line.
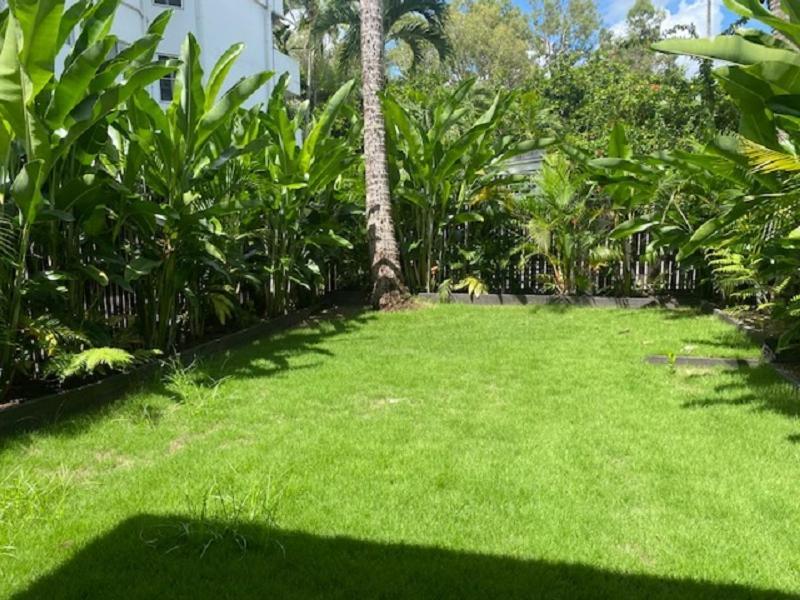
{"x":217,"y":24}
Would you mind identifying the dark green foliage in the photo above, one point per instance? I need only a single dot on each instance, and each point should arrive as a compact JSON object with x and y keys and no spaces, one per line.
{"x":735,"y":199}
{"x":131,"y":226}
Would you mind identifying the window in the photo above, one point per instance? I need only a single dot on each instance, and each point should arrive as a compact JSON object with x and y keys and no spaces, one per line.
{"x":177,"y":3}
{"x":166,"y":86}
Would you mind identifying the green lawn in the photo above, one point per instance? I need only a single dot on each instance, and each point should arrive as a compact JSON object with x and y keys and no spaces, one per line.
{"x":445,"y":452}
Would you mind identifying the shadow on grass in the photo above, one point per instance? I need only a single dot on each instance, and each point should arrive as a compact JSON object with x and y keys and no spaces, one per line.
{"x":555,"y":308}
{"x":759,"y":388}
{"x":270,"y":357}
{"x":730,"y":339}
{"x":682,"y":313}
{"x":266,"y":357}
{"x":152,"y":557}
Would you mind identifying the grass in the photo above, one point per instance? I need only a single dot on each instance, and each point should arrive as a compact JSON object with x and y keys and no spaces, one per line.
{"x":447,"y":452}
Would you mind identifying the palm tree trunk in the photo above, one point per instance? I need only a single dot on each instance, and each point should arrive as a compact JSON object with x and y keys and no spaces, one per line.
{"x":775,"y":7}
{"x":389,"y":289}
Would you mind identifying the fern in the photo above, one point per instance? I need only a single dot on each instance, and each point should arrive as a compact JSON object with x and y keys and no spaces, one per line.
{"x":51,"y":335}
{"x":736,"y":275}
{"x":93,"y":360}
{"x":224,"y":308}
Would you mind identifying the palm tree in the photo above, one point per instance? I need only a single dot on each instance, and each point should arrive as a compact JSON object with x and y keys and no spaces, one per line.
{"x":776,"y":8}
{"x":297,"y":36}
{"x":417,"y":23}
{"x":389,"y":289}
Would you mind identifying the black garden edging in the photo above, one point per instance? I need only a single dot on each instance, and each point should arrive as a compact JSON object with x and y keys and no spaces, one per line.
{"x":49,"y":409}
{"x":780,"y":366}
{"x":787,"y":374}
{"x":755,"y":334}
{"x":782,"y":370}
{"x":544,"y":300}
{"x":694,"y":361}
{"x":769,"y":344}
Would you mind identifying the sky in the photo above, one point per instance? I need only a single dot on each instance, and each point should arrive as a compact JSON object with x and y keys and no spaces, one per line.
{"x":679,"y":12}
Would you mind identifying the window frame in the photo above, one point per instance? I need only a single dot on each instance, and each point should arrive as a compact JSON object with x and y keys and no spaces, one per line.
{"x":165,"y":4}
{"x":165,"y":57}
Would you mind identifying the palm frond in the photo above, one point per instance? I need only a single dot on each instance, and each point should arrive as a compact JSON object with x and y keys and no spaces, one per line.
{"x":766,"y":160}
{"x":433,"y":11}
{"x":418,"y":34}
{"x":414,"y":22}
{"x":474,"y":285}
{"x":541,"y":235}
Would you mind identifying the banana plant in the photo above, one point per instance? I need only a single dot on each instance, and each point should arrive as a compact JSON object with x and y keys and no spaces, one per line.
{"x":297,"y":214}
{"x":46,"y":121}
{"x":760,"y":74}
{"x":440,"y":163}
{"x":733,"y":204}
{"x":171,"y":155}
{"x":749,"y":174}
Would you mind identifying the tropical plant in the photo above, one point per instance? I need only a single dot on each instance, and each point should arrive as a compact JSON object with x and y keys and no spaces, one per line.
{"x":128,"y":226}
{"x":568,"y":223}
{"x":298,"y":35}
{"x":385,"y":267}
{"x":447,"y":166}
{"x":49,"y":128}
{"x":180,"y":149}
{"x":747,"y":222}
{"x":417,"y":24}
{"x":296,"y":212}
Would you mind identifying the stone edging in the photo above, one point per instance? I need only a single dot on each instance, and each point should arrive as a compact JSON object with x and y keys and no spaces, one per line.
{"x":51,"y":408}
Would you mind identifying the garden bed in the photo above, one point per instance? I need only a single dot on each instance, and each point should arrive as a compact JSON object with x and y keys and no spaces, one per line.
{"x":29,"y":413}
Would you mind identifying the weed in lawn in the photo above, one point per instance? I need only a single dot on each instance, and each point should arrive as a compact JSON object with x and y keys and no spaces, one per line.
{"x":23,"y":497}
{"x":672,"y":360}
{"x":220,"y":517}
{"x":193,"y":383}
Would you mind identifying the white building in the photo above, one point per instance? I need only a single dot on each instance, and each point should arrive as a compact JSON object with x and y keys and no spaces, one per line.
{"x":217,"y":24}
